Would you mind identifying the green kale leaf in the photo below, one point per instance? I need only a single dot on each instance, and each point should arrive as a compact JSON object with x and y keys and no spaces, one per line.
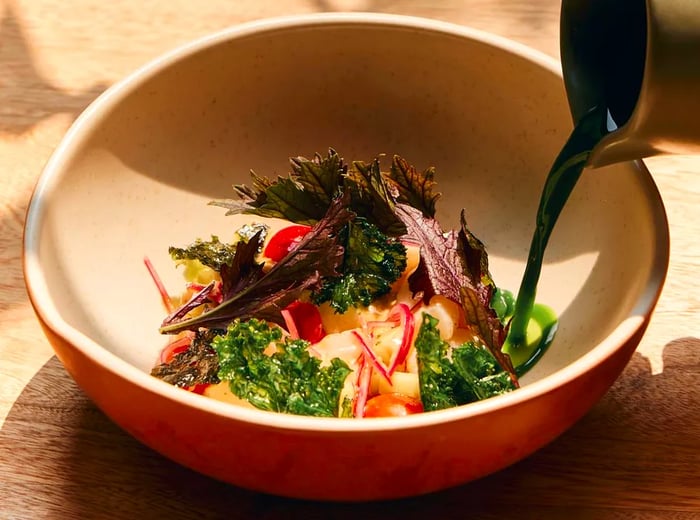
{"x":212,"y":253}
{"x":440,"y":386}
{"x":478,"y":368}
{"x":372,"y":263}
{"x":454,"y":376}
{"x":288,"y":381}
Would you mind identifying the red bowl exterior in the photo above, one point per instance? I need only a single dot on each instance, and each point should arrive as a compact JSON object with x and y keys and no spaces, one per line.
{"x":348,"y":466}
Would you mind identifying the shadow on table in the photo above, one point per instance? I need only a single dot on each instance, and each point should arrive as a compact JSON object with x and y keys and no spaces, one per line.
{"x":30,"y":97}
{"x":62,"y":458}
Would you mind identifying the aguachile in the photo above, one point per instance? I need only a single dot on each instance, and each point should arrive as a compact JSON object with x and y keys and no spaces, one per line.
{"x":360,"y":306}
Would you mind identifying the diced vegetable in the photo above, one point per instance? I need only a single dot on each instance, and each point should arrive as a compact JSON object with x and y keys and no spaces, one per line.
{"x":401,"y":383}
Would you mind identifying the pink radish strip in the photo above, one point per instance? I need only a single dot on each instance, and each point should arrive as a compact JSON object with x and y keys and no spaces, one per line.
{"x":175,"y":347}
{"x":291,"y":326}
{"x":372,"y":357}
{"x":294,"y":332}
{"x":363,"y":380}
{"x":376,"y":324}
{"x":409,"y":241}
{"x":159,"y":284}
{"x":215,"y":295}
{"x":409,"y":324}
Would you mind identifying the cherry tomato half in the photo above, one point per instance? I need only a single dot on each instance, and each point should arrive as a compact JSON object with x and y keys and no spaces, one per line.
{"x":284,"y":241}
{"x":174,"y":348}
{"x":392,"y":405}
{"x":307,"y":320}
{"x":199,"y":388}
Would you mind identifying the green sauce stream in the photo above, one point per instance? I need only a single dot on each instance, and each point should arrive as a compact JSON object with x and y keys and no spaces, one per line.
{"x":541,"y":328}
{"x":560,"y":182}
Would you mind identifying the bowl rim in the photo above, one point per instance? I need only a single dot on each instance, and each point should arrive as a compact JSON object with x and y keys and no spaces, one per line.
{"x":47,"y":312}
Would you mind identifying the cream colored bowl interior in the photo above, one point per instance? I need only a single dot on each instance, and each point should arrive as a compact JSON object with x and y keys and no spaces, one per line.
{"x":135,"y":173}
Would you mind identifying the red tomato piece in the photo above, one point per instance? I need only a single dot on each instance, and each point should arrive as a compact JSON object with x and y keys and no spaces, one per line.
{"x":284,"y":241}
{"x":174,"y":348}
{"x":199,"y":388}
{"x":307,"y":320}
{"x":392,"y":405}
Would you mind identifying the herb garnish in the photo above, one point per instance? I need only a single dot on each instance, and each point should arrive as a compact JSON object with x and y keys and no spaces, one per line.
{"x":371,"y":264}
{"x":305,"y":194}
{"x":455,"y":265}
{"x":399,"y":202}
{"x":199,"y":364}
{"x":212,"y":253}
{"x":248,"y":292}
{"x":290,"y":380}
{"x":454,"y":376}
{"x":352,"y":255}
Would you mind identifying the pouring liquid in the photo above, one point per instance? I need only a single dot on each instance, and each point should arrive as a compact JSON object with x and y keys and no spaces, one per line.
{"x":520,"y":345}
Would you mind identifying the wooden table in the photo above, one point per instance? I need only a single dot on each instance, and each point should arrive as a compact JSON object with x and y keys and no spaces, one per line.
{"x":636,"y":455}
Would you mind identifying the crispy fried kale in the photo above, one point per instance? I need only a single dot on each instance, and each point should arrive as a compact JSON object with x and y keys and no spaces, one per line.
{"x":288,"y":381}
{"x":372,"y":263}
{"x":454,"y":376}
{"x":211,"y":253}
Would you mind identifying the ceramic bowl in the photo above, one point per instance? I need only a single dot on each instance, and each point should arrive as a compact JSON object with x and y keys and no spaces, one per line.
{"x":136,"y":170}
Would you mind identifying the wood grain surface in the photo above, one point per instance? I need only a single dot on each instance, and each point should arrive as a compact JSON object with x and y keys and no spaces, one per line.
{"x":636,"y":455}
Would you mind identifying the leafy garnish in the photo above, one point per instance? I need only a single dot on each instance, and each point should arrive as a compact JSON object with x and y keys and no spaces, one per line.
{"x":248,"y":292}
{"x":454,"y":376}
{"x":243,"y":271}
{"x":415,"y":189}
{"x":479,"y":370}
{"x":303,"y":196}
{"x":439,"y":386}
{"x":373,"y":197}
{"x":306,"y":192}
{"x":476,"y":297}
{"x":248,"y":231}
{"x":199,"y":298}
{"x":288,"y":381}
{"x":440,"y":268}
{"x":455,"y":265}
{"x":211,"y":253}
{"x":371,"y":264}
{"x":199,"y":364}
